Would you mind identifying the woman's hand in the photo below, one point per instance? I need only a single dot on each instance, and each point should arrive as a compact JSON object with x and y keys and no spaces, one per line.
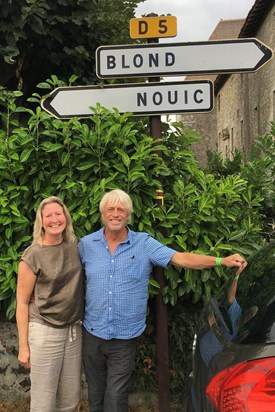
{"x":24,"y":356}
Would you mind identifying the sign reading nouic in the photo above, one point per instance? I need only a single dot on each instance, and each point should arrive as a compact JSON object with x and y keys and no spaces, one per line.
{"x":138,"y":98}
{"x":164,"y":59}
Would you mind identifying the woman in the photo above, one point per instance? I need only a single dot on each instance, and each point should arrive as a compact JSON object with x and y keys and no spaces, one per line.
{"x":49,"y":329}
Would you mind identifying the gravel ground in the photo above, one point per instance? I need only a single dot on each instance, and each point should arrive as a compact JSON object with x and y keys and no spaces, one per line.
{"x":24,"y":407}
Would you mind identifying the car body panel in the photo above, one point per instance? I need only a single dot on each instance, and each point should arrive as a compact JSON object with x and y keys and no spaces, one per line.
{"x":219,"y":344}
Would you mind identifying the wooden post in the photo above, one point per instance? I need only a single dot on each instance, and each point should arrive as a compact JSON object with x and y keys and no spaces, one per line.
{"x":162,"y":347}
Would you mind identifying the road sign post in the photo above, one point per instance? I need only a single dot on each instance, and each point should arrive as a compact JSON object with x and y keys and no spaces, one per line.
{"x":175,"y":59}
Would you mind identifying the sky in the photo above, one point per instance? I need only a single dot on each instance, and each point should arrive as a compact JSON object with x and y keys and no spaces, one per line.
{"x":196,"y":19}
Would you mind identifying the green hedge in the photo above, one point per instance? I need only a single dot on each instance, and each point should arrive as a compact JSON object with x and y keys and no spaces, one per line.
{"x":79,"y":160}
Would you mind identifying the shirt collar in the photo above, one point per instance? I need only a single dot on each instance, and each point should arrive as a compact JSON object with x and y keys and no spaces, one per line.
{"x":100,"y":235}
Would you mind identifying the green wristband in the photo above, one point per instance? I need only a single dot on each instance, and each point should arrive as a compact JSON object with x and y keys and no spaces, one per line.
{"x":218,"y":261}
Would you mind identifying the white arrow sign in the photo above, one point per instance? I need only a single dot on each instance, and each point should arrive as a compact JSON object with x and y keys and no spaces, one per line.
{"x":138,"y":98}
{"x":145,"y":60}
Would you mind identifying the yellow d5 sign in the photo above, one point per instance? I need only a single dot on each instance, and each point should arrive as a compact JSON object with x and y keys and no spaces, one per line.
{"x":153,"y":27}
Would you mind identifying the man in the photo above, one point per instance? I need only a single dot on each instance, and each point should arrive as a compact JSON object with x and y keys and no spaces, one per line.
{"x":118,"y":263}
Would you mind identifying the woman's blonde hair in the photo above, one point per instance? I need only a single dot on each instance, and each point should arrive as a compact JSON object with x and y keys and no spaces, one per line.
{"x":38,"y":230}
{"x":114,"y":198}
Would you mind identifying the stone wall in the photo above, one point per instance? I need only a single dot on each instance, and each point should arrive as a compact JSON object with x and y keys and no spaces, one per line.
{"x":244,"y":105}
{"x":246,"y":101}
{"x":14,"y":383}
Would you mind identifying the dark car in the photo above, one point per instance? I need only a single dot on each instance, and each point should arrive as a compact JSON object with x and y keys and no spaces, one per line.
{"x":233,"y":363}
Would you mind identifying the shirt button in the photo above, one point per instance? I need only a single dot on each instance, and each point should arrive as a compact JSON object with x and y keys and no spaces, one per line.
{"x":110,"y":308}
{"x":110,"y":292}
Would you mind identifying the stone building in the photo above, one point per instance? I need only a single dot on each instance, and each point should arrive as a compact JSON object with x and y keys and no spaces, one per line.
{"x":244,"y":104}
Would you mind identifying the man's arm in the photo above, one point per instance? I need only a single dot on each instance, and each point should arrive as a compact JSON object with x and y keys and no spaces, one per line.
{"x":196,"y":261}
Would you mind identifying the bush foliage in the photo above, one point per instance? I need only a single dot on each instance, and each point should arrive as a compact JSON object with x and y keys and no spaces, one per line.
{"x":80,"y":160}
{"x":218,"y":211}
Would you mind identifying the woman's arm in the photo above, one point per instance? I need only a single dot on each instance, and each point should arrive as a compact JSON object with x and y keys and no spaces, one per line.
{"x":25,"y":285}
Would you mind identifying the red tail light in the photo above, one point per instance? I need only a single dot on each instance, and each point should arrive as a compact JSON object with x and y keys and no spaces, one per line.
{"x":246,"y":387}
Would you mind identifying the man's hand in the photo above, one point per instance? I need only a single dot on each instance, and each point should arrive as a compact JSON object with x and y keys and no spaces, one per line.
{"x":235,"y":260}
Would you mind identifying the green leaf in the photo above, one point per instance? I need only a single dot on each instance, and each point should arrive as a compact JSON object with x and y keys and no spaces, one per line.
{"x":237,"y":235}
{"x":51,"y":147}
{"x":125,"y":158}
{"x":85,"y":166}
{"x":25,"y":155}
{"x":154,"y":283}
{"x":6,"y":294}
